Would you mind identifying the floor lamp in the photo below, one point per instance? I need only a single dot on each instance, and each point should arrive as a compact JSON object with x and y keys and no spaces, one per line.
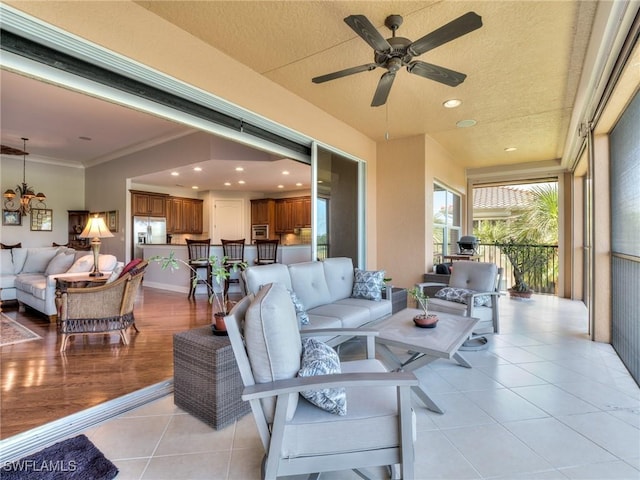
{"x":95,"y":230}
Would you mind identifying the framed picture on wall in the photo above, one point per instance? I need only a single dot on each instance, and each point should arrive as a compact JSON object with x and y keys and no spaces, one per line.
{"x":11,"y":218}
{"x":41,"y":219}
{"x":112,"y":220}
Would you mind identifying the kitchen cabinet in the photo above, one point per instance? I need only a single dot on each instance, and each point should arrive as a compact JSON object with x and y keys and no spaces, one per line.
{"x":263,"y":212}
{"x":148,"y":204}
{"x":184,"y":215}
{"x":293,"y":213}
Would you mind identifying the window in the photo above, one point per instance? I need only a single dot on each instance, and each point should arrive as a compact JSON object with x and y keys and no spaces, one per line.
{"x":447,"y":215}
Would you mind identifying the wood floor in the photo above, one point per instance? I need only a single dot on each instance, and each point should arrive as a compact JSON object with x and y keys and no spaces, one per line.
{"x":39,"y":384}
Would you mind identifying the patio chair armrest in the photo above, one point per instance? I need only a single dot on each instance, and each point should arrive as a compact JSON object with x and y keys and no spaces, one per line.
{"x":348,"y":332}
{"x":431,"y":284}
{"x":340,"y":380}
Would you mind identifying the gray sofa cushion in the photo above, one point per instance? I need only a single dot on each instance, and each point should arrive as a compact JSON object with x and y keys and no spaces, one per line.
{"x":352,"y":316}
{"x":322,"y":432}
{"x":38,"y":258}
{"x":274,"y":348}
{"x":310,"y":284}
{"x":339,"y":274}
{"x":257,"y":276}
{"x":32,"y":283}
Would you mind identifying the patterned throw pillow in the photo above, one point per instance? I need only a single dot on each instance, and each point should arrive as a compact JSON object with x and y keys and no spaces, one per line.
{"x":301,"y":313}
{"x":368,"y":285}
{"x":320,"y":359}
{"x":460,"y":295}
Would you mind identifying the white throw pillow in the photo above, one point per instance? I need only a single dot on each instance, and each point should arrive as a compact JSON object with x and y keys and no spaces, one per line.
{"x":38,"y":259}
{"x":60,"y":263}
{"x":116,"y":273}
{"x":82,"y":265}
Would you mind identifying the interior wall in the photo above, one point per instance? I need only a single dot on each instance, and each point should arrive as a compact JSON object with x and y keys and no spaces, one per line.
{"x":64,"y":188}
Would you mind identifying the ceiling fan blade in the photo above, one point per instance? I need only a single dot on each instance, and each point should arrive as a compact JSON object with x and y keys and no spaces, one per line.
{"x":437,"y":73}
{"x":344,"y":73}
{"x":6,"y":150}
{"x":363,"y":27}
{"x":468,"y":22}
{"x":383,"y":89}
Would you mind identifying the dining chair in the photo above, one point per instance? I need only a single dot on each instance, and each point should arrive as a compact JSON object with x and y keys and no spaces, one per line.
{"x":266,"y":251}
{"x":233,"y":256}
{"x":199,"y":252}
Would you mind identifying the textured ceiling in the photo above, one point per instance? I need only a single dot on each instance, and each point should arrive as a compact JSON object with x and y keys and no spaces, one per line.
{"x":523,"y":66}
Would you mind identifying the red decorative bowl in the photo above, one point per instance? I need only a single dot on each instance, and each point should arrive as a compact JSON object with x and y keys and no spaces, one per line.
{"x":429,"y":321}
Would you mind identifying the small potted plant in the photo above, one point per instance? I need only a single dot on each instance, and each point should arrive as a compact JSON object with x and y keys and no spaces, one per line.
{"x":425,"y":319}
{"x":218,"y":272}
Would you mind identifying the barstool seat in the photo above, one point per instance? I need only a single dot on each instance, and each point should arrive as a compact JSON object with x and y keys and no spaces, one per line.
{"x":199,"y":259}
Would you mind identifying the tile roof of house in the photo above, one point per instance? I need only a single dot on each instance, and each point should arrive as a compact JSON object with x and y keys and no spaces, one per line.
{"x":500,"y":197}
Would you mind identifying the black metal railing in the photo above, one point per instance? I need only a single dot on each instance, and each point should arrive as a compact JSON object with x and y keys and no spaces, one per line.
{"x":543,"y":278}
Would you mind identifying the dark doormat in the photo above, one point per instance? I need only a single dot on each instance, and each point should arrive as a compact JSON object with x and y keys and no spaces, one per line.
{"x":72,"y":459}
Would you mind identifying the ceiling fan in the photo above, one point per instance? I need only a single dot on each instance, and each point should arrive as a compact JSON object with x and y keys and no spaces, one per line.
{"x":396,"y":52}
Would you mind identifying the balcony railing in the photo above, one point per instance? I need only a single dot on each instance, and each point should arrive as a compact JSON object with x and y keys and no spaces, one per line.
{"x":542,"y":279}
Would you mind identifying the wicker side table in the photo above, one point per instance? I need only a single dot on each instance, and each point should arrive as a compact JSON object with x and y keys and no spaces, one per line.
{"x":398,"y":299}
{"x":207,"y":381}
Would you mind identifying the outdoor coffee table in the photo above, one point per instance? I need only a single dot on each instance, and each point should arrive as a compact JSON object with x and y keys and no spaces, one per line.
{"x":424,"y":344}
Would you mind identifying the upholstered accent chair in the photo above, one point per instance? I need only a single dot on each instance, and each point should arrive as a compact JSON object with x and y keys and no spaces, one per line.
{"x":473,"y":291}
{"x":98,"y":310}
{"x":366,"y":418}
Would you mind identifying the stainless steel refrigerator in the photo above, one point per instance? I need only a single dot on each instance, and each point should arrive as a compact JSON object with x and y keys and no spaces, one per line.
{"x":148,"y":230}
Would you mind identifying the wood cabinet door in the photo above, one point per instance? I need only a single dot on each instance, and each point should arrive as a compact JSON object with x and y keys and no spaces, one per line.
{"x":140,"y":204}
{"x":284,"y":221}
{"x":157,"y":206}
{"x":174,"y":215}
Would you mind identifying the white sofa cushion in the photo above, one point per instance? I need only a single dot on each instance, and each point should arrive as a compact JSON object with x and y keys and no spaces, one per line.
{"x":273,"y":340}
{"x":32,"y":283}
{"x":19,"y":257}
{"x":6,"y":262}
{"x":60,"y":263}
{"x":339,"y":274}
{"x":38,"y":258}
{"x":310,"y":284}
{"x":106,"y":263}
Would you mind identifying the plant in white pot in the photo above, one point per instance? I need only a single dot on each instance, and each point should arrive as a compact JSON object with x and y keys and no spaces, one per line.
{"x":425,"y":319}
{"x":219,"y":273}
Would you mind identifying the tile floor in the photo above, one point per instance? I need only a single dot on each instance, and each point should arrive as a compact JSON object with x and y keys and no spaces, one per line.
{"x":542,"y":402}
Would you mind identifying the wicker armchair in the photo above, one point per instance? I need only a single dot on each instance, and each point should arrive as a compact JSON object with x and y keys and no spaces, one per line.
{"x":99,"y":310}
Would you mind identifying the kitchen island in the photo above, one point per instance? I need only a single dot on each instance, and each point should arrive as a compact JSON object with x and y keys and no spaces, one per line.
{"x":178,"y":280}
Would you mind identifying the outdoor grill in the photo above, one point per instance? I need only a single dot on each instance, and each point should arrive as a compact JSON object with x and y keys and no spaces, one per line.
{"x":468,"y":245}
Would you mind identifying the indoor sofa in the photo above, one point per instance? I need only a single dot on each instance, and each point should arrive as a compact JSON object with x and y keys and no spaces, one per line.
{"x":330,"y":293}
{"x":29,"y":274}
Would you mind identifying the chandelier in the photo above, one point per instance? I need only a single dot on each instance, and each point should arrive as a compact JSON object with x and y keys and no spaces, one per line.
{"x":25,"y":196}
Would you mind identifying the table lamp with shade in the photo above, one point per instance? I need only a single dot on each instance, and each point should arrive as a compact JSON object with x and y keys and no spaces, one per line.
{"x":95,"y":230}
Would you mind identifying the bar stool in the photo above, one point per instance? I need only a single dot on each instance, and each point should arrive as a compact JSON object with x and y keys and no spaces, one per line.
{"x":233,"y":253}
{"x":266,"y":250}
{"x":199,"y":259}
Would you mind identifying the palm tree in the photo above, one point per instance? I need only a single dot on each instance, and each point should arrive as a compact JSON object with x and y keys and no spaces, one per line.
{"x":538,"y":224}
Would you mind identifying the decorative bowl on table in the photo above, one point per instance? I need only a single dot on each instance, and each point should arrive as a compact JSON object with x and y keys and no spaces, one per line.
{"x":425,"y":321}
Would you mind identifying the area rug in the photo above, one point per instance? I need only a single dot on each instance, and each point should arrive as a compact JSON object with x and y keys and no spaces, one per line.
{"x":72,"y":459}
{"x":12,"y":332}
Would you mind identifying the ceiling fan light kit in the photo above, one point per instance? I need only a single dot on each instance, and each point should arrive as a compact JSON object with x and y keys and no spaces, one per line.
{"x":397,"y":52}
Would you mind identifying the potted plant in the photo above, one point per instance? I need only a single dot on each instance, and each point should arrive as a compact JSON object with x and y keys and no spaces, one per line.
{"x":219,"y":273}
{"x":524,"y":259}
{"x":425,"y":319}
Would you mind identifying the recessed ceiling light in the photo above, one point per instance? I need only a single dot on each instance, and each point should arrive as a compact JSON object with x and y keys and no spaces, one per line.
{"x":299,"y":184}
{"x":452,"y":103}
{"x":227,"y":184}
{"x":239,"y":169}
{"x":319,"y":181}
{"x":197,"y":169}
{"x":510,"y":149}
{"x":175,"y":174}
{"x":466,"y":123}
{"x":88,"y":139}
{"x":280,"y":186}
{"x":285,"y":172}
{"x":195,"y":187}
{"x":241,"y":182}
